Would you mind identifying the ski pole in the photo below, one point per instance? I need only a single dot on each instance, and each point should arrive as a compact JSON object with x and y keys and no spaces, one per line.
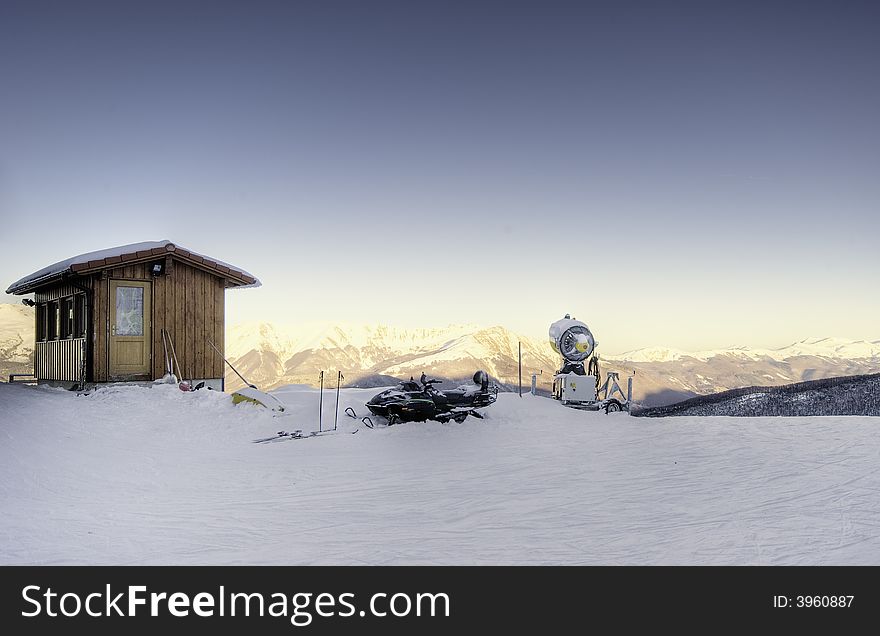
{"x":520,"y":369}
{"x":339,"y":378}
{"x":230,"y":364}
{"x":168,"y":369}
{"x":321,"y":406}
{"x":174,"y":358}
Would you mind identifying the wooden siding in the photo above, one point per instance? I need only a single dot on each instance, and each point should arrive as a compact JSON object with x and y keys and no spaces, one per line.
{"x":59,"y":359}
{"x":190,"y":308}
{"x":187,"y":301}
{"x":54,"y":293}
{"x":100,"y":327}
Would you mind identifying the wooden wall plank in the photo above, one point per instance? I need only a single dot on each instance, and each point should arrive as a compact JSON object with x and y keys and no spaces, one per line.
{"x":179,"y":286}
{"x":99,"y":324}
{"x":181,"y":318}
{"x":209,"y":327}
{"x":210,"y":354}
{"x":97,"y":314}
{"x":192,"y":325}
{"x":53,"y":293}
{"x":180,"y":315}
{"x":199,"y":325}
{"x":158,"y":326}
{"x":188,"y":322}
{"x":105,"y":328}
{"x":133,"y":271}
{"x":169,"y":302}
{"x":219,"y":326}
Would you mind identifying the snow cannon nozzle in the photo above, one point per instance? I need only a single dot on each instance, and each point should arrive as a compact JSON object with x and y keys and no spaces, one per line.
{"x":572,"y":339}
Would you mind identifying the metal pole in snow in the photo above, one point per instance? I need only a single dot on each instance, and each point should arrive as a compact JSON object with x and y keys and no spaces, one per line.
{"x":321,"y":406}
{"x":339,"y":378}
{"x":520,"y":369}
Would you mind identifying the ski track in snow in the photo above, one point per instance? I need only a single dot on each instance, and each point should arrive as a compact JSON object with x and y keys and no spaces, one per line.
{"x":136,"y":475}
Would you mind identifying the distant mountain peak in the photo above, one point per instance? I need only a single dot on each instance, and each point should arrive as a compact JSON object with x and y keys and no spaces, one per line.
{"x":827,"y":347}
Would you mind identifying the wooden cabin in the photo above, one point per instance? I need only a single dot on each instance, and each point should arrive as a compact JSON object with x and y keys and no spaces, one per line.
{"x":100,"y":316}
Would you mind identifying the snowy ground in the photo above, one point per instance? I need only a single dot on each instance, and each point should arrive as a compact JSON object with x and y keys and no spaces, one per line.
{"x":133,"y":475}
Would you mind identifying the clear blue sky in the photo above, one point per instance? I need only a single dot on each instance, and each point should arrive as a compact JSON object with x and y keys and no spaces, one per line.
{"x":689,"y":174}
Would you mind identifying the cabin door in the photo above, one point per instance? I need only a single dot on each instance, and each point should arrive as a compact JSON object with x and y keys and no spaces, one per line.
{"x":130,"y":325}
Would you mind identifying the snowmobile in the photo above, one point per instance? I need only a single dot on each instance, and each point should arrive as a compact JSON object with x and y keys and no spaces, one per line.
{"x":412,"y":401}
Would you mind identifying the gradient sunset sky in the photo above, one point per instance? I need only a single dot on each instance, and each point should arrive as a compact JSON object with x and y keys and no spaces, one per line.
{"x":686,"y":174}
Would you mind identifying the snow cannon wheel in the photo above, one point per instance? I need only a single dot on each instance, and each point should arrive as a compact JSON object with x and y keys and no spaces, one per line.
{"x":613,"y":407}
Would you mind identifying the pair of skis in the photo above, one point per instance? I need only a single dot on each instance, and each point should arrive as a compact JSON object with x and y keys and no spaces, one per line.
{"x":298,"y":434}
{"x":281,"y":436}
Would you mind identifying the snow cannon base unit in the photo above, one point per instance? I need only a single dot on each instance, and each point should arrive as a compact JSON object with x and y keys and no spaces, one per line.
{"x":412,"y":401}
{"x":575,"y":388}
{"x":577,"y":385}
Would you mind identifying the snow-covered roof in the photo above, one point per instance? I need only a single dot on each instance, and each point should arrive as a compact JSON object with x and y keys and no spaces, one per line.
{"x":126,"y":253}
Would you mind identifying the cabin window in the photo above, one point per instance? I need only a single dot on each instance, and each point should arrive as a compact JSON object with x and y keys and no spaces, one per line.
{"x":79,"y":316}
{"x":41,"y":322}
{"x":67,"y":328}
{"x":54,"y":320}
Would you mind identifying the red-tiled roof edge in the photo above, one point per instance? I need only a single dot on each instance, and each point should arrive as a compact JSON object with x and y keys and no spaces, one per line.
{"x":168,"y":249}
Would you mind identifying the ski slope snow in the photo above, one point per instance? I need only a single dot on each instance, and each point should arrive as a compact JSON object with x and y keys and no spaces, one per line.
{"x":151,"y":475}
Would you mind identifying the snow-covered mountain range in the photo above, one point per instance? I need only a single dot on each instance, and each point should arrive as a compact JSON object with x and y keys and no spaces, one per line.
{"x":16,"y":339}
{"x":272,"y":355}
{"x":834,"y":348}
{"x":369,"y":355}
{"x":668,"y":375}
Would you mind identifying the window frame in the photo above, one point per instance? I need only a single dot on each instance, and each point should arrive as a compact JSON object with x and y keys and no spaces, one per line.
{"x":53,"y":319}
{"x":41,"y":314}
{"x":64,"y":318}
{"x":66,"y":326}
{"x":79,"y":316}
